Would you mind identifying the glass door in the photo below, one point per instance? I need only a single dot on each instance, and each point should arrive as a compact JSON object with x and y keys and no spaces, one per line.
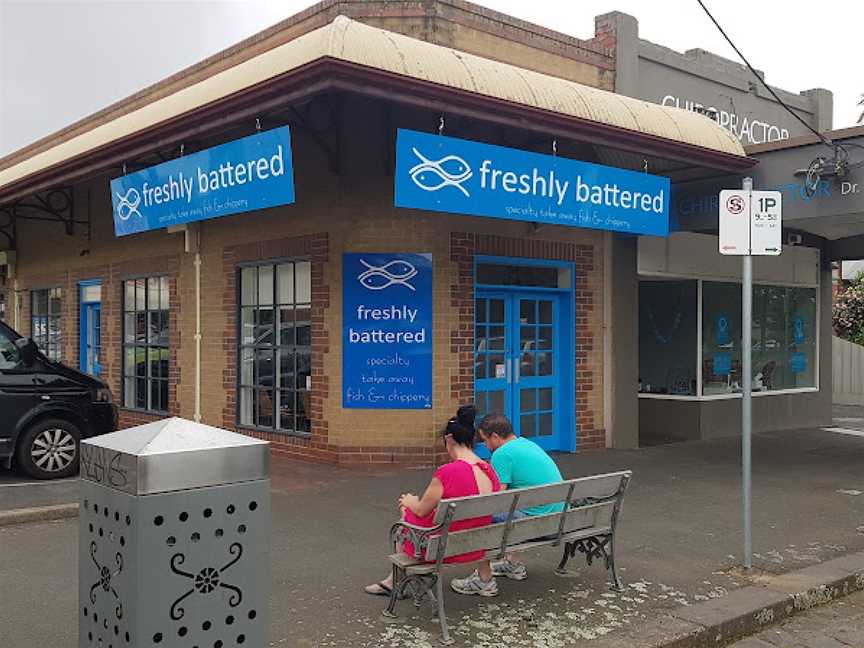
{"x":517,"y":362}
{"x":91,"y":328}
{"x":536,"y":380}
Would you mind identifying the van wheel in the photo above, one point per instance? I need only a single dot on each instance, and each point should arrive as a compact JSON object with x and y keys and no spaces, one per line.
{"x":49,"y":449}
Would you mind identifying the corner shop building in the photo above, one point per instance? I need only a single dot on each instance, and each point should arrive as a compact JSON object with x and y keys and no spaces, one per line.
{"x":243,"y":321}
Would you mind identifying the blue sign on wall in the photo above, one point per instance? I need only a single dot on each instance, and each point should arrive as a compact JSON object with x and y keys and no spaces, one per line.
{"x":387,"y":331}
{"x":459,"y":176}
{"x":247,"y":174}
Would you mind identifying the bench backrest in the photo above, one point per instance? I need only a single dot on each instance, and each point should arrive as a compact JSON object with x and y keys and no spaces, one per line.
{"x":593,"y":502}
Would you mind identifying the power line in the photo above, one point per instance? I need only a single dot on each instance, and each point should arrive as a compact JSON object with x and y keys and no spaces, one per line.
{"x":822,"y":137}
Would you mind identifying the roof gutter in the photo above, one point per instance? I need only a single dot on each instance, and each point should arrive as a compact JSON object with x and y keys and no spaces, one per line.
{"x":332,"y":74}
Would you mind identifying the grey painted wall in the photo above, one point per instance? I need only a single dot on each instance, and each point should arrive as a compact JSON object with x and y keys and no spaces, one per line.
{"x":699,"y":80}
{"x":625,"y":343}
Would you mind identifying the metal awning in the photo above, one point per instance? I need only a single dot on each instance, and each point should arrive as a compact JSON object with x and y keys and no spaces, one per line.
{"x":346,"y":51}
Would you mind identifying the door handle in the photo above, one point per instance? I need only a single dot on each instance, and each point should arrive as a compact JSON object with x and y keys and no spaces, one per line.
{"x":517,"y":362}
{"x":507,"y":370}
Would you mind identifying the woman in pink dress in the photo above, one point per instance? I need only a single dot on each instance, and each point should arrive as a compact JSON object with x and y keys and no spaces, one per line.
{"x":466,"y":474}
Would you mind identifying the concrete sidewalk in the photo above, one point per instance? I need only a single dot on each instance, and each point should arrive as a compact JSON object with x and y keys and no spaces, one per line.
{"x":679,"y":545}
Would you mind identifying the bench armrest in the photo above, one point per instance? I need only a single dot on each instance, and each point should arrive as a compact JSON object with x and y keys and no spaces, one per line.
{"x":402,"y":531}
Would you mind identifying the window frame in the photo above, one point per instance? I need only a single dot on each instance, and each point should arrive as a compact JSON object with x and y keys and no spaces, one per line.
{"x":699,"y":333}
{"x":274,"y":346}
{"x":124,"y":345}
{"x":51,"y":351}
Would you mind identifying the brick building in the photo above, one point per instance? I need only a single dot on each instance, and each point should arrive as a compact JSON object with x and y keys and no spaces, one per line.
{"x":238,"y":321}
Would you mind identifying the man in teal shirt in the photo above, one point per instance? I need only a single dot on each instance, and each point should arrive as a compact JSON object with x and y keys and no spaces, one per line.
{"x":519,"y":463}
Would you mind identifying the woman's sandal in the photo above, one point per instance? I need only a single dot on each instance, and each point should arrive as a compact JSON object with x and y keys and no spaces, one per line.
{"x":377,"y":589}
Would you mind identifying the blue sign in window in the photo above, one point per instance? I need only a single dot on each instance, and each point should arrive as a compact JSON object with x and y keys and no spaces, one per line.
{"x":459,"y":176}
{"x":798,"y":362}
{"x":251,"y":173}
{"x":387,"y":331}
{"x":722,"y":364}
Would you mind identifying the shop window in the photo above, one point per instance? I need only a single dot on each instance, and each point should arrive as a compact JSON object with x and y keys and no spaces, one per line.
{"x":667,"y":337}
{"x":784,"y":338}
{"x":275,"y":346}
{"x":46,"y":307}
{"x":146,"y":308}
{"x":721,"y":338}
{"x":784,"y":332}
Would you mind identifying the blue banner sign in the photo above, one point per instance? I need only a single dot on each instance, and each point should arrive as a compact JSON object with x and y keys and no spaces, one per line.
{"x":459,"y":176}
{"x":240,"y":176}
{"x":387,"y":331}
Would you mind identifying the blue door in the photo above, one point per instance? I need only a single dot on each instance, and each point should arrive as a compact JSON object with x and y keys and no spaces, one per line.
{"x":518,"y":364}
{"x":91,"y":327}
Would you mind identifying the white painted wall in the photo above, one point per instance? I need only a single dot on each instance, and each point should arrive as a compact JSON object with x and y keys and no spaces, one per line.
{"x":848,"y":366}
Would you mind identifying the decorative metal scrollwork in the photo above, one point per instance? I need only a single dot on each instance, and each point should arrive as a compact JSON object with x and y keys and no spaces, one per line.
{"x":206,"y":581}
{"x":52,"y":205}
{"x":402,"y":532}
{"x":594,"y":547}
{"x":106,"y":575}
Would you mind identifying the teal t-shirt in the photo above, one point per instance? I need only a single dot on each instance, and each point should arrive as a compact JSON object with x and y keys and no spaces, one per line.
{"x":522,"y":463}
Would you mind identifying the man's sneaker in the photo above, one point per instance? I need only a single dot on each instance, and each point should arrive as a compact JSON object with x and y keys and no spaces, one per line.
{"x":473,"y":584}
{"x":512,"y":570}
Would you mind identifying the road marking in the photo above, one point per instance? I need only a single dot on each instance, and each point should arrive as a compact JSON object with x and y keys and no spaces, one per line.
{"x":840,"y":430}
{"x":40,"y":483}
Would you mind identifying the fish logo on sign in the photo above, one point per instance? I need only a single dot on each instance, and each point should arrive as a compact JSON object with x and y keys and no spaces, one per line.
{"x":395,"y":272}
{"x":450,"y":171}
{"x":128,"y":204}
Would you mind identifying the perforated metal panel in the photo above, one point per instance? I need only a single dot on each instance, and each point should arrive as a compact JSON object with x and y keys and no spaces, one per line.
{"x":190,"y":568}
{"x":174,"y":531}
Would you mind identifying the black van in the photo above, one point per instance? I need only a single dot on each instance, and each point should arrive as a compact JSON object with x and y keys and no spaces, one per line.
{"x":46,"y":408}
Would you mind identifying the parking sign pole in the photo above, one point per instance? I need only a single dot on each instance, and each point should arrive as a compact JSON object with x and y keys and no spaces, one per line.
{"x":747,"y":391}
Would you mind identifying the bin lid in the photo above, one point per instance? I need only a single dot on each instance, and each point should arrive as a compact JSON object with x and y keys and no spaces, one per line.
{"x":172,"y":454}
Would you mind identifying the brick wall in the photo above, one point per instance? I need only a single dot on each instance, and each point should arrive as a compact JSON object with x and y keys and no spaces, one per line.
{"x":335,"y":213}
{"x":588,"y":350}
{"x":112,"y":276}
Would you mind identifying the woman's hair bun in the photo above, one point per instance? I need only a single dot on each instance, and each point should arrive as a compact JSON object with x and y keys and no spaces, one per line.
{"x":466,"y":415}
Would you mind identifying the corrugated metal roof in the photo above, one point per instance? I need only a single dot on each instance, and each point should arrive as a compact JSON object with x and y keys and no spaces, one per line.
{"x":358,"y":43}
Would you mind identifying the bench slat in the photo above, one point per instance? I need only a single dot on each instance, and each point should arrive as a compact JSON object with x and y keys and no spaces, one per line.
{"x":524,"y":529}
{"x":480,"y":505}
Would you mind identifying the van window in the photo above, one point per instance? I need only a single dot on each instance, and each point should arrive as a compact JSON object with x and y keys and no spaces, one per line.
{"x":9,"y":357}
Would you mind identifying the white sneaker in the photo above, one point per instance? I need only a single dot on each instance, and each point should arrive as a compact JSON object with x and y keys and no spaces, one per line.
{"x":512,"y":570}
{"x":473,"y":584}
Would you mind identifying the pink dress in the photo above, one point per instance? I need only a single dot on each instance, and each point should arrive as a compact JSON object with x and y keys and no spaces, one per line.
{"x":458,"y":480}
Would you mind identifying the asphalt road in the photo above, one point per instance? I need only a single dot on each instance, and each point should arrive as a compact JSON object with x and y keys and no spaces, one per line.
{"x":679,"y":543}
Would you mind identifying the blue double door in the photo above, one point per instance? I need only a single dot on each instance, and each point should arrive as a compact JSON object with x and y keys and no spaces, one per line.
{"x":519,"y":363}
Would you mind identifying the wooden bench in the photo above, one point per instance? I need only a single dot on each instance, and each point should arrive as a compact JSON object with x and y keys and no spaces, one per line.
{"x":586,"y":524}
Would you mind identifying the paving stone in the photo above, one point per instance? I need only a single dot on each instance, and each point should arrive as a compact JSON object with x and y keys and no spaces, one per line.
{"x":851,"y":635}
{"x":820,"y":640}
{"x":780,"y":638}
{"x":839,"y":624}
{"x":752,"y":642}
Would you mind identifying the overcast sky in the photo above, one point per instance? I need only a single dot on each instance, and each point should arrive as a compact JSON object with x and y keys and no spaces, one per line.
{"x":61,"y":60}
